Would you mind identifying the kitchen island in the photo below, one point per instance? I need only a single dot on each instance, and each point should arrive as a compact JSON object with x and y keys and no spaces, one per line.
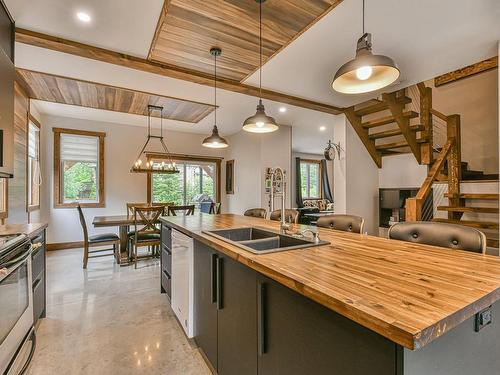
{"x":359,"y":305}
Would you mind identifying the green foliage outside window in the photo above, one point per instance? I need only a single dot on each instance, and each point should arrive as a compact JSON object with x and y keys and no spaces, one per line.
{"x":310,"y":180}
{"x":80,"y":182}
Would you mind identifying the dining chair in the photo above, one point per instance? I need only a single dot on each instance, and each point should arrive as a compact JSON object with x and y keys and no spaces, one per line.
{"x":206,"y":207}
{"x":146,"y":231}
{"x":188,"y":210}
{"x":215,"y":209}
{"x":97,"y":240}
{"x":291,"y":215}
{"x":131,"y":205}
{"x":346,"y":223}
{"x":256,"y":212}
{"x":452,"y":236}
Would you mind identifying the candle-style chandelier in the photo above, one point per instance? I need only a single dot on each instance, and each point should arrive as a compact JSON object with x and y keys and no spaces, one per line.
{"x":142,"y":163}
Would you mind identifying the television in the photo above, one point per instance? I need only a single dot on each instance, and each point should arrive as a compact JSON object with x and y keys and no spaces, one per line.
{"x":7,"y":77}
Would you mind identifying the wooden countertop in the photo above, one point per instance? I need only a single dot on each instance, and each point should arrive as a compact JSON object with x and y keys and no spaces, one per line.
{"x":408,"y":293}
{"x":28,"y":229}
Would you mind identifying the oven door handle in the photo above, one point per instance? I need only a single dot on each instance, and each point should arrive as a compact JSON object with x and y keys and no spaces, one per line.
{"x":13,"y":264}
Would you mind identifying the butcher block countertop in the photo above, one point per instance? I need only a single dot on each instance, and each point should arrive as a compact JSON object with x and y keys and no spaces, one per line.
{"x":408,"y":293}
{"x":28,"y":229}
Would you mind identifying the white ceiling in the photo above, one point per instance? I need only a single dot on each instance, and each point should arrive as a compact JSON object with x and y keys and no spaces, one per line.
{"x":426,"y":38}
{"x":125,"y":26}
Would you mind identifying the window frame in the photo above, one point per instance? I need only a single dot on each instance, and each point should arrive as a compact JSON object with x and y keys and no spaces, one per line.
{"x":29,"y":181}
{"x":4,"y":195}
{"x":320,"y":179}
{"x":58,"y":180}
{"x":186,"y":158}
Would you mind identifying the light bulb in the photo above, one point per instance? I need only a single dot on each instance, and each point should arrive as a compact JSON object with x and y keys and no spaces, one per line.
{"x":259,"y":124}
{"x":364,"y":72}
{"x":139,"y":162}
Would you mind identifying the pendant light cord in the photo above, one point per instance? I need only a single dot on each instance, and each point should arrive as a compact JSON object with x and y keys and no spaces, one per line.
{"x":260,"y":49}
{"x":215,"y":88}
{"x":363,"y":17}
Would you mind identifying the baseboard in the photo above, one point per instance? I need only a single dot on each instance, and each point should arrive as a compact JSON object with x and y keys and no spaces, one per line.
{"x":64,"y":245}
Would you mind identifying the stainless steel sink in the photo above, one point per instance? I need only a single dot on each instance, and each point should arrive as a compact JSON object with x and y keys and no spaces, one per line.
{"x":262,"y":241}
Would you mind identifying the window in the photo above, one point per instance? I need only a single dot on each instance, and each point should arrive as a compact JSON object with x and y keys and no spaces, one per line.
{"x":34,"y":177}
{"x":310,"y":175}
{"x":198,"y":176}
{"x":78,"y":168}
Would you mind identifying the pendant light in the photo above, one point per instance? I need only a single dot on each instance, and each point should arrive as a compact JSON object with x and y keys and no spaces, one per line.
{"x":366,"y":72}
{"x":143,"y":164}
{"x":215,"y":140}
{"x":260,"y":122}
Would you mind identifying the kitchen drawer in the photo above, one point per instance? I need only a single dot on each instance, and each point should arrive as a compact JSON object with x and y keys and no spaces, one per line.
{"x":38,"y":263}
{"x":166,"y":259}
{"x":166,"y":236}
{"x":166,"y":282}
{"x":38,"y":297}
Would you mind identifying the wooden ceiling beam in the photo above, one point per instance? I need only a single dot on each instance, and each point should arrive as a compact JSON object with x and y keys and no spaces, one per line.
{"x":482,"y":66}
{"x":100,"y":54}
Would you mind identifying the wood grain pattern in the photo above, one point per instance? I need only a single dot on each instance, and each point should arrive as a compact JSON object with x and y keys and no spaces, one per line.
{"x":57,"y":89}
{"x":188,"y":29}
{"x":132,"y":62}
{"x":482,"y":66}
{"x":28,"y":229}
{"x":406,"y":292}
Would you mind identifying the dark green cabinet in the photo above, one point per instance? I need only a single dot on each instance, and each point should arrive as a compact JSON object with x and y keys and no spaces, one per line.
{"x":166,"y":261}
{"x":225,"y":319}
{"x":298,"y":336}
{"x":38,"y":269}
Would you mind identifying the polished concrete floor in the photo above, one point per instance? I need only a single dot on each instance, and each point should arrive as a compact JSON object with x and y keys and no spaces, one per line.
{"x":109,"y":320}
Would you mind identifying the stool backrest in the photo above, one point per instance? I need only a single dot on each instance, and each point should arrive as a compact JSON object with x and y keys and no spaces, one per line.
{"x":256,"y":212}
{"x":452,"y":236}
{"x":346,"y":223}
{"x":291,"y":216}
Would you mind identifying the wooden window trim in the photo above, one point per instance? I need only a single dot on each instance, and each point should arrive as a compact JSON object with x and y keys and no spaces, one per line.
{"x":34,"y":121}
{"x":58,"y":202}
{"x":5,"y":214}
{"x":321,"y":191}
{"x":183,"y":157}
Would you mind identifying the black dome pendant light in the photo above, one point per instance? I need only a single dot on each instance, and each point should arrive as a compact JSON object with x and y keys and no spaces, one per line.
{"x":366,"y":72}
{"x":260,"y":122}
{"x":215,"y":140}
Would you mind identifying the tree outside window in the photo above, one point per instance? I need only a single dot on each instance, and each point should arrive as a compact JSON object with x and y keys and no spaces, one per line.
{"x":310,"y":179}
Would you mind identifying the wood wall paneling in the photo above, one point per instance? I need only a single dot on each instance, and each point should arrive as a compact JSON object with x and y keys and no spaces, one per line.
{"x":132,"y":62}
{"x":53,"y":88}
{"x":187,"y":29}
{"x":482,"y":66}
{"x":17,"y":185}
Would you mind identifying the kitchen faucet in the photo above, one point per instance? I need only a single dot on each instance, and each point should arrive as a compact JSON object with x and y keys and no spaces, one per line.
{"x":278,"y":188}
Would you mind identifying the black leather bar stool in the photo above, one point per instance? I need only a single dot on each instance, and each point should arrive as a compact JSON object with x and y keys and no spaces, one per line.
{"x":452,"y":236}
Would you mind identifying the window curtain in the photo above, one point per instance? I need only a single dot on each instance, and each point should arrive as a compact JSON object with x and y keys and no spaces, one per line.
{"x":327,"y":193}
{"x":298,"y":187}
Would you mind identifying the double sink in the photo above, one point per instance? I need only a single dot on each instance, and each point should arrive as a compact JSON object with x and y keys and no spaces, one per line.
{"x":262,"y":241}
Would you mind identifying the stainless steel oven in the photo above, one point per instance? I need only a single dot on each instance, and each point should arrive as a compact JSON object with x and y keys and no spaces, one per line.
{"x":16,"y":305}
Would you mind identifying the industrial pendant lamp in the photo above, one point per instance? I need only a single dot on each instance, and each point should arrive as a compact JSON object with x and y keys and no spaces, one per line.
{"x":215,"y":140}
{"x":366,"y":72}
{"x":260,"y":122}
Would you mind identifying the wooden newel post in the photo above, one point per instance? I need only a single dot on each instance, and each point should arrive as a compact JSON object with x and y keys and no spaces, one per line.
{"x":454,"y":165}
{"x":413,"y":209}
{"x":426,"y":121}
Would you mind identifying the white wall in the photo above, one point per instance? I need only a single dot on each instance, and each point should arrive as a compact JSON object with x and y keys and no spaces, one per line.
{"x":252,"y":154}
{"x":401,"y":171}
{"x":122,"y":143}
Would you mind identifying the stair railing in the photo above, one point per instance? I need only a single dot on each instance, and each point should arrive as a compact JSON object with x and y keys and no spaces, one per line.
{"x":450,"y":151}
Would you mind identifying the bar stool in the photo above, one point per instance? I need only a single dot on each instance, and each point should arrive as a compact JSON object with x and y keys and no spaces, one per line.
{"x":346,"y":223}
{"x":256,"y":212}
{"x":291,"y":216}
{"x":452,"y":236}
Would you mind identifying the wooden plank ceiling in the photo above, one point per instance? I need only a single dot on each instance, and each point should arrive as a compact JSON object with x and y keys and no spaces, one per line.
{"x":52,"y":88}
{"x":187,"y":29}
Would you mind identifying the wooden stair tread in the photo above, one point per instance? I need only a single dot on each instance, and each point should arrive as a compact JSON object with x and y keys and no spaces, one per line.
{"x":484,"y":196}
{"x":387,"y":120}
{"x":470,"y":223}
{"x":393,"y":132}
{"x":378,"y":106}
{"x":400,"y":144}
{"x":484,"y":210}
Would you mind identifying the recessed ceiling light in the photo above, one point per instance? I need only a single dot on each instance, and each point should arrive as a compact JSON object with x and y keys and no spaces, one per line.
{"x":322,"y":128}
{"x":84,"y":17}
{"x":282,"y":109}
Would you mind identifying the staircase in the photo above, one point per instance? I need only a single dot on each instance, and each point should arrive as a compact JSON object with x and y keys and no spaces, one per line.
{"x":405,"y":122}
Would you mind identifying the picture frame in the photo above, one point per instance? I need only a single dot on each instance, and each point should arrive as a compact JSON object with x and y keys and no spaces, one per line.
{"x":230,"y":176}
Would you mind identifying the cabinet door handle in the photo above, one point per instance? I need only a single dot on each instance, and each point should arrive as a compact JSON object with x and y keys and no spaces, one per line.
{"x":262,"y":318}
{"x":213,"y":277}
{"x":167,"y":275}
{"x":220,"y":272}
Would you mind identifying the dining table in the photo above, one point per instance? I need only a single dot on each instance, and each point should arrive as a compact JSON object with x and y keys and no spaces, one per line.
{"x":123,"y":222}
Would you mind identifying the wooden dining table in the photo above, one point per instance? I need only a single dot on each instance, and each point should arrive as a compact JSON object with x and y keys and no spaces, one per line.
{"x":123,"y":222}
